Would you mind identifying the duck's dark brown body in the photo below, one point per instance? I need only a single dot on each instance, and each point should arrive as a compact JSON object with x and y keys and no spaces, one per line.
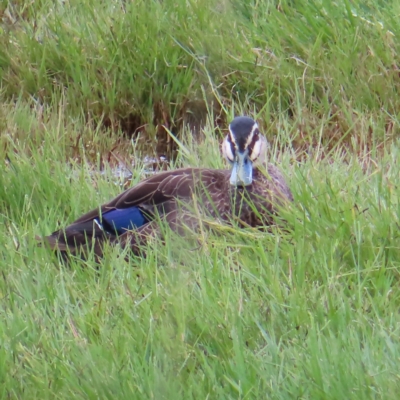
{"x":179,"y":197}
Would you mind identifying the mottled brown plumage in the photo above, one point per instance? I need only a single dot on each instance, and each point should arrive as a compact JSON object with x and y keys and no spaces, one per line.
{"x":247,"y":193}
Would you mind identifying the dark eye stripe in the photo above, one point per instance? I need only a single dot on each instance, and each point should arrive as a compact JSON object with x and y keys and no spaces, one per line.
{"x":232,"y":145}
{"x":254,"y":140}
{"x":233,"y":150}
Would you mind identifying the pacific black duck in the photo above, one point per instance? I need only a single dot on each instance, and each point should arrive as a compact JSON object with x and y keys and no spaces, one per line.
{"x":249,"y":192}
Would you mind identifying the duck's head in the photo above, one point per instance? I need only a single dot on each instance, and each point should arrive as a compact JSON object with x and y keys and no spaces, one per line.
{"x":244,"y":147}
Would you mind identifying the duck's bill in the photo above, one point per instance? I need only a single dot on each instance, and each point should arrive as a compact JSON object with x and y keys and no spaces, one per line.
{"x":242,"y":171}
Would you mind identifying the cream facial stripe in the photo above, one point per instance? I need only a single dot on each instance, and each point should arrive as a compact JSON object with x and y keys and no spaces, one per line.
{"x":227,"y":147}
{"x":232,"y":137}
{"x":256,"y":150}
{"x":250,"y":137}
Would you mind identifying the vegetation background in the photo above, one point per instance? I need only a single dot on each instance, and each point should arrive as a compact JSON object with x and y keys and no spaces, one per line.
{"x":90,"y":88}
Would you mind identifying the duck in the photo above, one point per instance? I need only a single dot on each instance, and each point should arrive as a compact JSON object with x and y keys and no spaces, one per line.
{"x":251,"y":192}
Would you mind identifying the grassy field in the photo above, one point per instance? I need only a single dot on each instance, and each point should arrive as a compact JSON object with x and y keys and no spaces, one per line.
{"x":310,"y":311}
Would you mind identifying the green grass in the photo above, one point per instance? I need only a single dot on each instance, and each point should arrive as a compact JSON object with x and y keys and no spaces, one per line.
{"x":138,"y":65}
{"x":307,"y":311}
